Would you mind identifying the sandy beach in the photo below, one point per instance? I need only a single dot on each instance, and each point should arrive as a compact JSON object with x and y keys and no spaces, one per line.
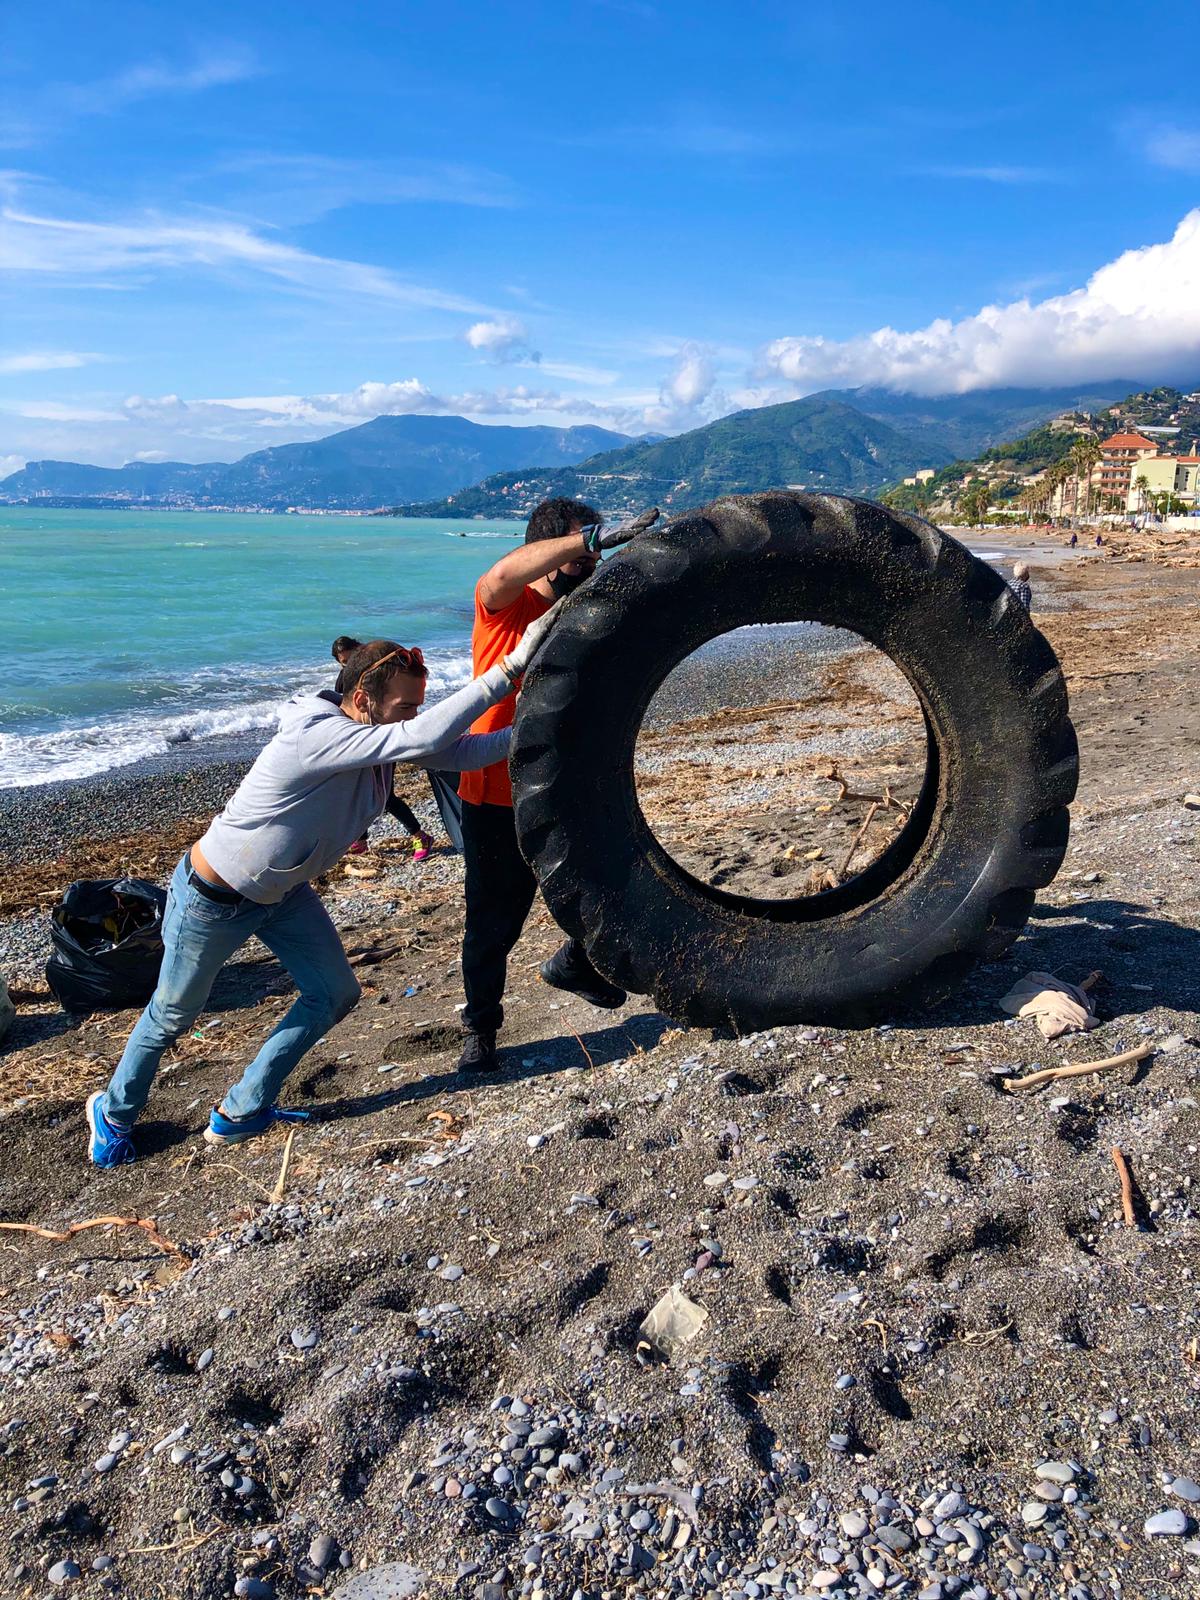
{"x":936,"y":1359}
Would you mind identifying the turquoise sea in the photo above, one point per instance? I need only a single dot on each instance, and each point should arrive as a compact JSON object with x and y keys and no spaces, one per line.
{"x":129,"y":633}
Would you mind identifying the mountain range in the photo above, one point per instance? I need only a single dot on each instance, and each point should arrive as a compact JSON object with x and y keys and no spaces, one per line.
{"x":849,"y":440}
{"x":837,"y":440}
{"x":375,"y":464}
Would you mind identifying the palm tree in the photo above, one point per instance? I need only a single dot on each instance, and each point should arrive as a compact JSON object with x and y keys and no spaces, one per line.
{"x":1142,"y":484}
{"x":1054,"y":478}
{"x":1085,"y":453}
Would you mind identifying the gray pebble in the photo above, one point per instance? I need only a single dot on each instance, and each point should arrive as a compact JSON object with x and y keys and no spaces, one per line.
{"x":853,"y":1524}
{"x":107,"y":1462}
{"x":251,"y":1588}
{"x":1186,"y":1490}
{"x":497,"y":1508}
{"x":1056,"y":1472}
{"x":895,"y":1538}
{"x":322,"y":1551}
{"x":1166,"y":1522}
{"x":846,"y":1381}
{"x":951,"y":1504}
{"x":204,"y":1359}
{"x":451,"y":1274}
{"x":304,"y":1338}
{"x":64,"y":1572}
{"x":1034,"y":1513}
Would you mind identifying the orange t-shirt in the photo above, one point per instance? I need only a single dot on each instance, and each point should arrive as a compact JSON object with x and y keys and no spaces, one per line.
{"x":494,"y":635}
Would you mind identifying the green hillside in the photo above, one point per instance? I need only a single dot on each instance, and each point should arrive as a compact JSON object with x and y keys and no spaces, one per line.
{"x":813,"y":444}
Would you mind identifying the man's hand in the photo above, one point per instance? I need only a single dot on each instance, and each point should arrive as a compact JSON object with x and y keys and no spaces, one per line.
{"x":595,"y":539}
{"x":517,"y":661}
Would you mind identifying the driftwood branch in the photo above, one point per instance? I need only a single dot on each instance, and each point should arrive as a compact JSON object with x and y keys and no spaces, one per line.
{"x":148,"y":1226}
{"x":281,"y":1181}
{"x":1122,"y":1167}
{"x":1081,"y":1069}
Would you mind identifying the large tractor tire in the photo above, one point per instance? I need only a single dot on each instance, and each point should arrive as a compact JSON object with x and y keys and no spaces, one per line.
{"x":989,"y":828}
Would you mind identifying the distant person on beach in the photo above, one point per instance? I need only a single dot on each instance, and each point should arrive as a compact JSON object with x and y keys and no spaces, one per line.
{"x":1020,"y":584}
{"x":315,"y":788}
{"x":563,"y":542}
{"x":343,"y":648}
{"x":1073,"y":540}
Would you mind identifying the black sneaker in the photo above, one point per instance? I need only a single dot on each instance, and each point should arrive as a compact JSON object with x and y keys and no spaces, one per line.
{"x":479,"y":1053}
{"x":566,"y":970}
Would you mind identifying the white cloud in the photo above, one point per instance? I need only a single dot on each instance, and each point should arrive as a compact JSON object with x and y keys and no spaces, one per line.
{"x":1175,"y":148}
{"x":693,"y":377}
{"x":59,"y":104}
{"x":10,"y":464}
{"x":148,"y":427}
{"x":66,"y":247}
{"x":995,"y":174}
{"x":211,"y":70}
{"x":300,"y":187}
{"x":1137,"y":317}
{"x":47,"y":360}
{"x":501,"y":339}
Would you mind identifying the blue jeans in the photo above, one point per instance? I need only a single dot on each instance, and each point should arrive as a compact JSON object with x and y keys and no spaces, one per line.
{"x":199,"y":936}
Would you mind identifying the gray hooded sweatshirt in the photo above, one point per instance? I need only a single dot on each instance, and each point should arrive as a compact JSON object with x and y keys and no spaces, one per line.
{"x":324,"y":778}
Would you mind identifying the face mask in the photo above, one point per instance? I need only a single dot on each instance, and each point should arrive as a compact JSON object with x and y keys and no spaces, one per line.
{"x":563,"y":584}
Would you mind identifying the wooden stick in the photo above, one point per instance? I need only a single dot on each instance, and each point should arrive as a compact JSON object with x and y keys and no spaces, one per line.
{"x":1081,"y":1069}
{"x":281,"y":1180}
{"x":148,"y":1226}
{"x":1122,"y":1167}
{"x":584,"y":1048}
{"x":866,"y":823}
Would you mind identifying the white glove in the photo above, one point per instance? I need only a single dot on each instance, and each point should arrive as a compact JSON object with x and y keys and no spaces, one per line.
{"x":517,"y":661}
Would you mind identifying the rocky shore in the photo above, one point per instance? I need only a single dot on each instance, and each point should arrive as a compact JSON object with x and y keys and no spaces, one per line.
{"x":936,"y":1360}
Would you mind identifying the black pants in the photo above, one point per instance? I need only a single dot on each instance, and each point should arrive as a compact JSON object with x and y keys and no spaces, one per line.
{"x":500,"y":890}
{"x":403,"y":814}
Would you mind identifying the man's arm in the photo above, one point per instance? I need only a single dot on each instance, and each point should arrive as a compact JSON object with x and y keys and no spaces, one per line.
{"x":505,"y":582}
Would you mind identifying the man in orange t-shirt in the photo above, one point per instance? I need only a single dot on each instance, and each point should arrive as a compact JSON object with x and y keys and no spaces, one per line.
{"x":562,"y":545}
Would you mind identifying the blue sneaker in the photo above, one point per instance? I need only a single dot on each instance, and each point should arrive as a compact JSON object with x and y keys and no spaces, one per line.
{"x":232,"y":1130}
{"x":108,"y":1146}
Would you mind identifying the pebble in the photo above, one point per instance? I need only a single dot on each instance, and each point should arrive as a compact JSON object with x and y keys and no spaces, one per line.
{"x":1186,"y":1490}
{"x":852,"y":1524}
{"x":322,"y":1551}
{"x":846,"y":1381}
{"x":64,"y":1572}
{"x":1034,"y":1513}
{"x":204,"y":1359}
{"x":305,"y":1338}
{"x":895,"y":1538}
{"x":1060,"y":1472}
{"x":107,"y":1461}
{"x":950,"y":1505}
{"x":1166,"y":1522}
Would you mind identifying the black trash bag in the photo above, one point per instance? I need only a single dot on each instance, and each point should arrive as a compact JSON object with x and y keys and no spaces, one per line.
{"x":107,"y":938}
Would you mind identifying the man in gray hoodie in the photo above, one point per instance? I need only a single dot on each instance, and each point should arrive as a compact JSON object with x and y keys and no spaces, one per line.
{"x":315,"y":789}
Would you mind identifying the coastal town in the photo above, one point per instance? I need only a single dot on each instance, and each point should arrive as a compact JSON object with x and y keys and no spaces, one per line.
{"x":1138,"y":461}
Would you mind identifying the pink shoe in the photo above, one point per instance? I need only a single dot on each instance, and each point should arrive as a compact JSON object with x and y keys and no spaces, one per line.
{"x":359,"y":847}
{"x":423,"y":846}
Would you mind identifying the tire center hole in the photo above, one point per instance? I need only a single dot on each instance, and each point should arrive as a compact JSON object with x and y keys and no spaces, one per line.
{"x":779,"y":760}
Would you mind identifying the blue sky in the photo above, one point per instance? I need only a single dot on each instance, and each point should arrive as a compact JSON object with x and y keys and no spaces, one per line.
{"x":231,"y":226}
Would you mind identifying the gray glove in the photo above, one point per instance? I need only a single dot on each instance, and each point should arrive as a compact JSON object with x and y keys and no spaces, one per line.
{"x":595,"y":539}
{"x":517,"y":661}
